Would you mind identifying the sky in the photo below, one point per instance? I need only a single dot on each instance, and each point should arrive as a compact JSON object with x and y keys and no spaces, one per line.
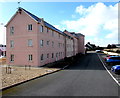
{"x":98,"y":21}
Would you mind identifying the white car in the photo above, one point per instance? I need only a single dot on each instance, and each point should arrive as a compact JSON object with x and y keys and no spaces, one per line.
{"x":98,"y":51}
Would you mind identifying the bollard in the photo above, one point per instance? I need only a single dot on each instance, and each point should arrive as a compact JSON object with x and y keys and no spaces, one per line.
{"x":8,"y":70}
{"x":25,"y":67}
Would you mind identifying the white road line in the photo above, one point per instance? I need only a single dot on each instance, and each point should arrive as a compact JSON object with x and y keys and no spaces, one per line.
{"x":65,"y":66}
{"x":109,"y":71}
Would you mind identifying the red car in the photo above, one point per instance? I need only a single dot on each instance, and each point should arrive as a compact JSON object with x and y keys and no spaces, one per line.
{"x":107,"y":57}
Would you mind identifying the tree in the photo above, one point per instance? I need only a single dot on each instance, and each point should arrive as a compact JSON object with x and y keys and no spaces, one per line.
{"x":113,"y":46}
{"x":109,"y":46}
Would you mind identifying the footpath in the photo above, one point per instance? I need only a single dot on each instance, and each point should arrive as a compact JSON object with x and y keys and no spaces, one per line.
{"x":11,"y":76}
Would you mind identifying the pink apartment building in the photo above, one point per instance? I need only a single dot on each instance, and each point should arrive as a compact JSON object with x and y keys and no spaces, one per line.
{"x":74,"y":43}
{"x":33,"y":41}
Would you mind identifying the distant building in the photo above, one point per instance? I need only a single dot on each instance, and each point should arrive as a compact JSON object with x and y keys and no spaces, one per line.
{"x":33,"y":41}
{"x":90,"y":46}
{"x":2,"y":50}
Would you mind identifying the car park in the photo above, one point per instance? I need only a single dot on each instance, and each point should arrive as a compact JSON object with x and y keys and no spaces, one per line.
{"x":107,"y":57}
{"x":116,"y":69}
{"x":112,"y":60}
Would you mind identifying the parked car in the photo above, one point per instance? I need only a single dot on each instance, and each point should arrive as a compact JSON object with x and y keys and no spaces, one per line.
{"x":116,"y":69}
{"x":107,"y":57}
{"x":98,"y":51}
{"x":113,"y":60}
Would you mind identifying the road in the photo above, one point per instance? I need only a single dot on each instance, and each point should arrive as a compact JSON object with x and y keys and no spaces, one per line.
{"x":85,"y":78}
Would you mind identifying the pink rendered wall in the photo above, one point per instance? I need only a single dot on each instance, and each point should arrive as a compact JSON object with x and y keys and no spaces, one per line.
{"x":75,"y":45}
{"x":21,"y":49}
{"x":21,"y":35}
{"x":81,"y":47}
{"x":73,"y":50}
{"x":49,"y":49}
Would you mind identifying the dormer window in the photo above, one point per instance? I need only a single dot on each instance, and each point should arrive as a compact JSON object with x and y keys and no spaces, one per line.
{"x":29,"y":27}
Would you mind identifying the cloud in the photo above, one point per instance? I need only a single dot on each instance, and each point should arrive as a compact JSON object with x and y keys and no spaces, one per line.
{"x":73,"y":16}
{"x":2,"y":34}
{"x":59,"y":27}
{"x":95,"y":20}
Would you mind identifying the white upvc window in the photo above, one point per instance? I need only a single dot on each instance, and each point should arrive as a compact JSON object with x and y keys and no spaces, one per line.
{"x":30,"y":43}
{"x":52,"y":44}
{"x":59,"y":54}
{"x":41,"y":28}
{"x":42,"y":57}
{"x":29,"y":27}
{"x":11,"y":43}
{"x":30,"y":57}
{"x":48,"y":42}
{"x":48,"y":55}
{"x":12,"y":57}
{"x":52,"y":33}
{"x":52,"y":55}
{"x":41,"y":43}
{"x":12,"y":30}
{"x":59,"y":35}
{"x":47,"y":30}
{"x":56,"y":54}
{"x":59,"y":45}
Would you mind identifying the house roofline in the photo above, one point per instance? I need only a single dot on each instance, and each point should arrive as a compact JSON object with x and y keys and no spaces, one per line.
{"x":16,"y":14}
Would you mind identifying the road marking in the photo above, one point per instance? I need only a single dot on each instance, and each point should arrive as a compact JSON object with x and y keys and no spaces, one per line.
{"x":65,"y":66}
{"x":109,"y":71}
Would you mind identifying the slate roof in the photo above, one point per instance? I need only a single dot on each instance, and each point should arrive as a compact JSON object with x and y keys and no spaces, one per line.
{"x":33,"y":16}
{"x":74,"y":34}
{"x":52,"y":27}
{"x":39,"y":20}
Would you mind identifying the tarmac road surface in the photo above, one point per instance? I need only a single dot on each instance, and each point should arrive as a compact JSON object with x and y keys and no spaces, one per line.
{"x":87,"y":77}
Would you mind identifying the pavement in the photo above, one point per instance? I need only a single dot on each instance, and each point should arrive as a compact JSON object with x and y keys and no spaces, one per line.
{"x":86,"y":77}
{"x":17,"y":75}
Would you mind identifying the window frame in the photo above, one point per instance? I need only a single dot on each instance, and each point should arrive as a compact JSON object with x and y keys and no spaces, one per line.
{"x":52,"y":33}
{"x":11,"y":43}
{"x":30,"y":27}
{"x":42,"y":57}
{"x":48,"y":42}
{"x":11,"y":30}
{"x":41,"y":43}
{"x":47,"y":30}
{"x":48,"y":55}
{"x":30,"y":42}
{"x":41,"y":28}
{"x":52,"y":43}
{"x":12,"y":58}
{"x":52,"y":55}
{"x":30,"y":57}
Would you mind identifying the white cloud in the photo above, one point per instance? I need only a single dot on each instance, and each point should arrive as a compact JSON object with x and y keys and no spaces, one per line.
{"x":94,"y":20}
{"x":2,"y":34}
{"x":59,"y":27}
{"x":73,"y":16}
{"x":2,"y":28}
